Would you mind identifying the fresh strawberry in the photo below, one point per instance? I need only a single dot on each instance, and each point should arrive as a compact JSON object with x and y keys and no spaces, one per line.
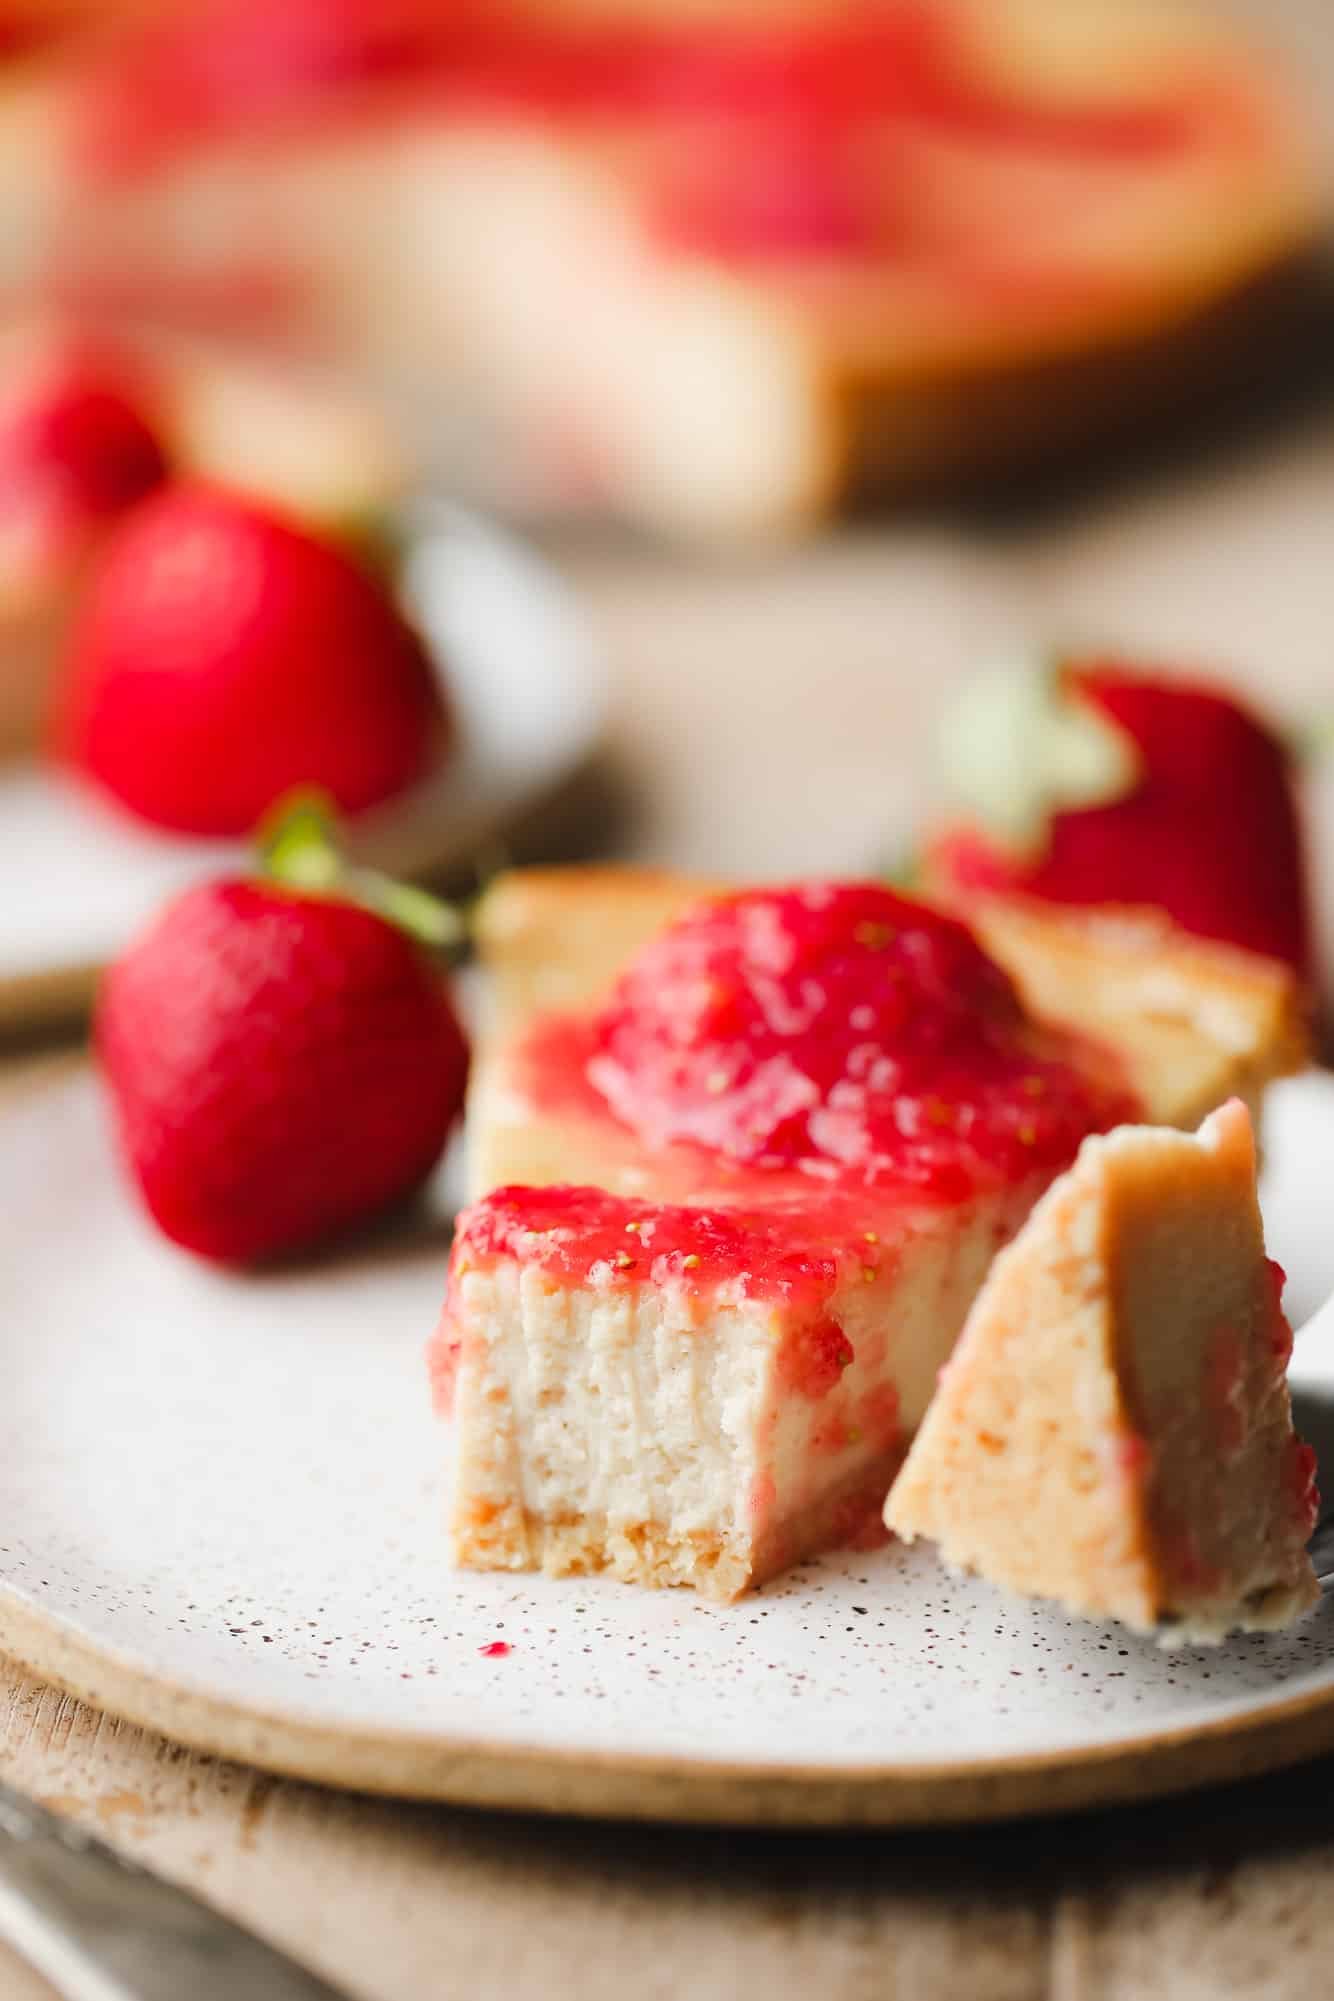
{"x":224,"y":655}
{"x":1095,"y":782}
{"x":283,"y":1063}
{"x":77,"y":446}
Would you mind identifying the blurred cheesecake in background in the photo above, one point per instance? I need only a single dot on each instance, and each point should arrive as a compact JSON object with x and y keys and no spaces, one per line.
{"x":710,"y":268}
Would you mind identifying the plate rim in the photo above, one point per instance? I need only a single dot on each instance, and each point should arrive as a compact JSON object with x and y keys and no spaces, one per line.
{"x":550,"y":1779}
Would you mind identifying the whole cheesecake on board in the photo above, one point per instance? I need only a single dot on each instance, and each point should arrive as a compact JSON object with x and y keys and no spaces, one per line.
{"x":1113,"y":1430}
{"x":714,"y":267}
{"x":737,"y":1196}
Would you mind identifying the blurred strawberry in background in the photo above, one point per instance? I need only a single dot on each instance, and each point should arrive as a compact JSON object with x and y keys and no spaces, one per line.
{"x":1094,"y":781}
{"x":79,"y":443}
{"x":76,"y":444}
{"x":224,"y":654}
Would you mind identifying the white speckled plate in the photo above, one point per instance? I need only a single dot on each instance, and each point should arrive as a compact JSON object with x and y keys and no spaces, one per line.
{"x":219,"y":1515}
{"x":76,"y":877}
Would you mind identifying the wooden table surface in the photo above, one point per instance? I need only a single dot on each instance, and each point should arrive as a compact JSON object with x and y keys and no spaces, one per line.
{"x":774,"y":717}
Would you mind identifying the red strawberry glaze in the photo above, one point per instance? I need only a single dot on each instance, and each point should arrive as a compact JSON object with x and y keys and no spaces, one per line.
{"x":243,"y":68}
{"x":1302,"y":1466}
{"x":845,"y":1031}
{"x":860,"y":1521}
{"x":1302,"y":1485}
{"x":584,"y":1236}
{"x":1278,"y":1327}
{"x":813,"y":1359}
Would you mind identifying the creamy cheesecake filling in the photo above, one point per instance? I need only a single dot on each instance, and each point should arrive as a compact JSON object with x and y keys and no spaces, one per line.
{"x":623,"y":1401}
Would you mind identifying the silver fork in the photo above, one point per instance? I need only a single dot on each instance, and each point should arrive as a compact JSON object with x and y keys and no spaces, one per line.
{"x":100,"y":1928}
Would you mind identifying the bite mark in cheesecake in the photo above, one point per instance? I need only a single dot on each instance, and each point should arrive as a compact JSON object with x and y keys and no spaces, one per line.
{"x":692,"y":1395}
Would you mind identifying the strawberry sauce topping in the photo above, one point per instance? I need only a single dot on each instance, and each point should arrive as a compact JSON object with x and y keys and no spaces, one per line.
{"x":813,"y":1362}
{"x":796,"y":91}
{"x":1301,"y":1474}
{"x":586,"y":1236}
{"x":1278,"y":1328}
{"x":847,"y":1032}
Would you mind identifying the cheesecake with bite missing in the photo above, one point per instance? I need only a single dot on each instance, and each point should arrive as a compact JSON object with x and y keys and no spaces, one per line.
{"x":744,"y":1207}
{"x":1113,"y":1430}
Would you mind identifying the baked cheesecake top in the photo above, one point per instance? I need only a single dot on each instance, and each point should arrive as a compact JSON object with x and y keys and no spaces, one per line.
{"x":859,"y":132}
{"x":919,"y":62}
{"x":849,"y":1033}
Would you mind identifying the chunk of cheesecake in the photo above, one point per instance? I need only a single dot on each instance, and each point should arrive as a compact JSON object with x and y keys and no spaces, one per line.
{"x":691,"y":1395}
{"x":616,"y":1354}
{"x":1113,"y":1430}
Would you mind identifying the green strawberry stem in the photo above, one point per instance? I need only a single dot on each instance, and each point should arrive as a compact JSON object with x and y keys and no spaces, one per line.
{"x":298,"y":847}
{"x":1311,"y":742}
{"x":902,"y":870}
{"x":1017,"y":747}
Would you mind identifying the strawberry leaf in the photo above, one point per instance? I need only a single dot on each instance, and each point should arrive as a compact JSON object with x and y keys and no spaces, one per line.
{"x":1019,"y":745}
{"x":298,"y":843}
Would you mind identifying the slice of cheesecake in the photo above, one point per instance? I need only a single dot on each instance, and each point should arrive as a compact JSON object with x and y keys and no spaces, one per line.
{"x":618,"y":1356}
{"x":1113,"y":1430}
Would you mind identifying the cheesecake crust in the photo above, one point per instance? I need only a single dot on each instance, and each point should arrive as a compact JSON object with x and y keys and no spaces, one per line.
{"x":720,"y":1566}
